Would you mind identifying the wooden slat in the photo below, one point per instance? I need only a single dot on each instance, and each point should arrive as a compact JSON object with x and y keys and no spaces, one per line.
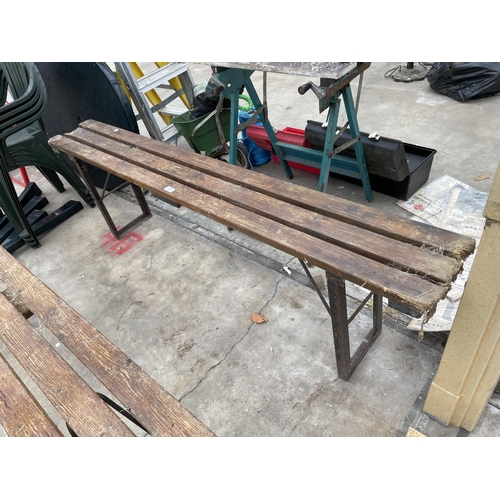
{"x":20,"y":413}
{"x":14,"y":300}
{"x":154,"y":407}
{"x":75,"y":401}
{"x":401,"y":286}
{"x":375,"y":220}
{"x":397,"y":254}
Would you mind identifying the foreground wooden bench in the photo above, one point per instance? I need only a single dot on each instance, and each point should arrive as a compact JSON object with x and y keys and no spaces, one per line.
{"x":411,"y":263}
{"x":85,"y":412}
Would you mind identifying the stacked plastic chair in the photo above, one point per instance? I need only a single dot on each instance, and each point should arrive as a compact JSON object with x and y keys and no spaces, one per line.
{"x":23,"y":141}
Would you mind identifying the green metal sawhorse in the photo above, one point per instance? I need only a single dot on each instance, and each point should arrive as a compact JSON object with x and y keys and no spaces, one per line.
{"x":334,"y":85}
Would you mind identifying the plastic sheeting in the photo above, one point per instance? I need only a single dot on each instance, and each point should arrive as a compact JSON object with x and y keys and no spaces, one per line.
{"x":465,"y":80}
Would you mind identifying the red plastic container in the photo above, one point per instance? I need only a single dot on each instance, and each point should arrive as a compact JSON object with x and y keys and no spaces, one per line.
{"x":297,"y":137}
{"x":289,"y":135}
{"x":258,"y":134}
{"x":294,"y":136}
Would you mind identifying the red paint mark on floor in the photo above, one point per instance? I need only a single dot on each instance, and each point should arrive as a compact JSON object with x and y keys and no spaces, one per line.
{"x":119,"y":247}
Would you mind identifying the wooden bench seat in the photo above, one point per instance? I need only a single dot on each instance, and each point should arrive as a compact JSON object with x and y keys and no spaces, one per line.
{"x":411,"y":263}
{"x":81,"y":407}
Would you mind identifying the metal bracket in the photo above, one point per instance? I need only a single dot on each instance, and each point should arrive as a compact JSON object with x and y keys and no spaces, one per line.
{"x":251,"y":120}
{"x":347,"y":145}
{"x":316,"y":287}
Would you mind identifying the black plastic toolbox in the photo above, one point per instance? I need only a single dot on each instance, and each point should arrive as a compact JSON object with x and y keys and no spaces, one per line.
{"x":395,"y":168}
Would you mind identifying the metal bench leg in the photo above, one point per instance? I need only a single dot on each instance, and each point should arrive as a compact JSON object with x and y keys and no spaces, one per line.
{"x":117,"y":233}
{"x":340,"y":323}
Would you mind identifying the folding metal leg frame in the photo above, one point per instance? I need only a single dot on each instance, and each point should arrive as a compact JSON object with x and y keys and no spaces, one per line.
{"x":99,"y":199}
{"x":337,"y":309}
{"x":233,"y":80}
{"x":331,"y":161}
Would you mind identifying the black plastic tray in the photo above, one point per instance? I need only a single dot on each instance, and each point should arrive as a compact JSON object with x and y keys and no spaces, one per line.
{"x":419,"y":165}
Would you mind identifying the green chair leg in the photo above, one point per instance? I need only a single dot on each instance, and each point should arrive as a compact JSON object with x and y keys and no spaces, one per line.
{"x":37,"y":152}
{"x":53,"y":178}
{"x":14,"y":211}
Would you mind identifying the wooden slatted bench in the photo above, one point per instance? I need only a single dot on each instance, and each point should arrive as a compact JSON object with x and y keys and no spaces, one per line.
{"x":411,"y":263}
{"x":85,"y":411}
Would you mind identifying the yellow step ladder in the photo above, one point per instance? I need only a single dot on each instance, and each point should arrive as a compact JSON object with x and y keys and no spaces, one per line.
{"x":144,"y":88}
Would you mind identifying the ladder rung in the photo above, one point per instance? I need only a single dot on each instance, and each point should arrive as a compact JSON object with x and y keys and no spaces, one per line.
{"x":171,"y":111}
{"x":170,"y":133}
{"x":160,"y":76}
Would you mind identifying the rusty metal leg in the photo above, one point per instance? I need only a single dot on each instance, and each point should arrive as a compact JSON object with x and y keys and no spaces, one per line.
{"x":117,"y":233}
{"x":346,"y":364}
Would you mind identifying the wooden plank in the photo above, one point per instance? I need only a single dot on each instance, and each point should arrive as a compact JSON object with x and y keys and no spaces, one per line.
{"x":20,"y":413}
{"x":375,"y":220}
{"x":403,"y":287}
{"x":432,"y":265}
{"x":75,"y":401}
{"x":11,"y":297}
{"x":154,"y":407}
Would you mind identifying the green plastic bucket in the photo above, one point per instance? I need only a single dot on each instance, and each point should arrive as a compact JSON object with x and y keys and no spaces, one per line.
{"x":206,"y":137}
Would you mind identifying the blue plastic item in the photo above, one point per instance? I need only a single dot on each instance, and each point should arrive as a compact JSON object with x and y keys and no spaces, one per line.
{"x":256,"y":155}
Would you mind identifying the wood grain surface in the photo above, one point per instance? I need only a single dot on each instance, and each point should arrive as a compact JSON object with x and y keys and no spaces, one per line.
{"x":20,"y":414}
{"x":159,"y":412}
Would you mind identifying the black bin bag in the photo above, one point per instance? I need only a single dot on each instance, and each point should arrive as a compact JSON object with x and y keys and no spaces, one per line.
{"x":465,"y":80}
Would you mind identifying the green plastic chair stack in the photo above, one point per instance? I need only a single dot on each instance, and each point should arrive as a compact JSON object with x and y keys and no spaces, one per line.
{"x":14,"y":117}
{"x":30,"y":146}
{"x":24,"y":141}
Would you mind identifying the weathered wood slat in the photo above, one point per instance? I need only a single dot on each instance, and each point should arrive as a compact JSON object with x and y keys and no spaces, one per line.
{"x":20,"y":413}
{"x":403,"y":287}
{"x":11,"y":297}
{"x":375,"y":220}
{"x":154,"y":407}
{"x":404,"y":256}
{"x":75,"y":401}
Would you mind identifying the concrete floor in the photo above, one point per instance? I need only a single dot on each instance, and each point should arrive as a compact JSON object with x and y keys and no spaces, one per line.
{"x":179,"y":300}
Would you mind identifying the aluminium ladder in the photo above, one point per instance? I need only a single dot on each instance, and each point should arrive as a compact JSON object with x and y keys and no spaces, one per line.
{"x":155,"y":111}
